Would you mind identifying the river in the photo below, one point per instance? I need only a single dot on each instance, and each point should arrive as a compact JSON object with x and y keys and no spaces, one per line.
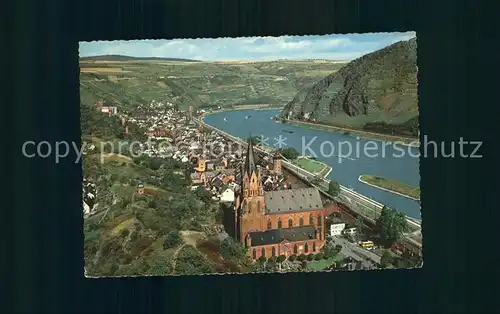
{"x":400,"y":163}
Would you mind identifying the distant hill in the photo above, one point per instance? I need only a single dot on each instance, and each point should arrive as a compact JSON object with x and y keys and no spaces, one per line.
{"x":377,"y":92}
{"x":127,"y":84}
{"x":128,"y":58}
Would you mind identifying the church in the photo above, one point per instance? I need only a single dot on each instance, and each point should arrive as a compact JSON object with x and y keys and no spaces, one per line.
{"x":279,"y":222}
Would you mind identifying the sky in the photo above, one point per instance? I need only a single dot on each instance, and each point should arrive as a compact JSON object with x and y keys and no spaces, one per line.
{"x":340,"y":47}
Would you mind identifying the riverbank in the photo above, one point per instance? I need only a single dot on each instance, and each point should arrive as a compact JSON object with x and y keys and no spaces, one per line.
{"x":242,"y":107}
{"x":313,"y":166}
{"x":347,"y":173}
{"x":399,"y":188}
{"x":354,"y":200}
{"x":407,"y":141}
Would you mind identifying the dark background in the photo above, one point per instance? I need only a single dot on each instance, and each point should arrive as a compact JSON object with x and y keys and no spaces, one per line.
{"x":41,"y":211}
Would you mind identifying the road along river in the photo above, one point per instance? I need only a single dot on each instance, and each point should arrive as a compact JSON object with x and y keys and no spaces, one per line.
{"x":349,"y":156}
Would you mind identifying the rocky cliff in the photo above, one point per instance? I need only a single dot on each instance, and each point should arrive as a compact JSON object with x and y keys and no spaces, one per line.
{"x":377,"y":92}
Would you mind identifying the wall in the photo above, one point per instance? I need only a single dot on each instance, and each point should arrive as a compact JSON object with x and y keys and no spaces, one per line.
{"x":273,"y":218}
{"x":280,"y":249}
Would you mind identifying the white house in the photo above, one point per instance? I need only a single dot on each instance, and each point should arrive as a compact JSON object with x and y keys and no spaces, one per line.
{"x":227,"y":196}
{"x":349,"y":231}
{"x":337,"y":228}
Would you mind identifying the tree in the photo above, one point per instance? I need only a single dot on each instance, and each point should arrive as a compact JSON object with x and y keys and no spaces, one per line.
{"x":310,"y":257}
{"x":155,"y":163}
{"x":303,"y":265}
{"x":232,"y":250}
{"x":172,"y":239}
{"x":271,"y":263}
{"x":153,"y":203}
{"x":292,"y":258}
{"x":160,"y":265}
{"x":289,"y":153}
{"x":190,"y":261}
{"x":359,"y":224}
{"x":301,"y":257}
{"x":327,"y":251}
{"x":333,"y":188}
{"x":281,"y":259}
{"x":391,"y":225}
{"x":203,"y":194}
{"x":272,"y":259}
{"x":319,"y":256}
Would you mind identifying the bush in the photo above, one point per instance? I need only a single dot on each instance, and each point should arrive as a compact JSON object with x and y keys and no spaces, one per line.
{"x":262,"y":259}
{"x":319,"y":256}
{"x":326,"y":256}
{"x":163,"y":231}
{"x":310,"y":257}
{"x":301,"y":257}
{"x":125,"y":232}
{"x":172,"y":239}
{"x":338,"y":247}
{"x":152,"y":203}
{"x":134,"y":236}
{"x":140,"y":245}
{"x":292,"y":258}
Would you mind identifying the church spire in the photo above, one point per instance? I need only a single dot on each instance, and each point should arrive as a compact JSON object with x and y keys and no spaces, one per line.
{"x":250,"y":160}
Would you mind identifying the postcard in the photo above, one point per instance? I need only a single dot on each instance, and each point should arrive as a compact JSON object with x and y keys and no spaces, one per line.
{"x":250,"y":155}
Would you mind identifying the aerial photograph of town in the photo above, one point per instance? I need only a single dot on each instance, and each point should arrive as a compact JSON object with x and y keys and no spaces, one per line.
{"x":250,"y":155}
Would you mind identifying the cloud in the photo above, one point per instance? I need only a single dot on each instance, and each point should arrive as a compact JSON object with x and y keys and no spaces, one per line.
{"x":333,"y":47}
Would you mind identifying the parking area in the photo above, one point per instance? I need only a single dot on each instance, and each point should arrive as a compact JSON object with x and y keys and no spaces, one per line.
{"x":356,"y":252}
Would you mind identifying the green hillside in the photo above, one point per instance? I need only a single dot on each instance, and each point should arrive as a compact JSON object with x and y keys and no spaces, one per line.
{"x":129,"y":82}
{"x":166,"y":230}
{"x":377,"y":92}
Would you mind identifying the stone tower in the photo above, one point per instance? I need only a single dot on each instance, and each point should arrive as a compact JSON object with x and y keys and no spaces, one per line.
{"x":277,"y":163}
{"x":190,"y":113}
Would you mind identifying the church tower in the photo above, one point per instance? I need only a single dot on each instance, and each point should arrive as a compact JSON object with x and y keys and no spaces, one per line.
{"x":251,"y":206}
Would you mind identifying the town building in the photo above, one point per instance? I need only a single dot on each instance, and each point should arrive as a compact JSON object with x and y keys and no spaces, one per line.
{"x":280,"y":222}
{"x":190,"y":112}
{"x":227,"y":196}
{"x":157,"y":133}
{"x":111,"y":110}
{"x":337,"y":227}
{"x":349,"y":231}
